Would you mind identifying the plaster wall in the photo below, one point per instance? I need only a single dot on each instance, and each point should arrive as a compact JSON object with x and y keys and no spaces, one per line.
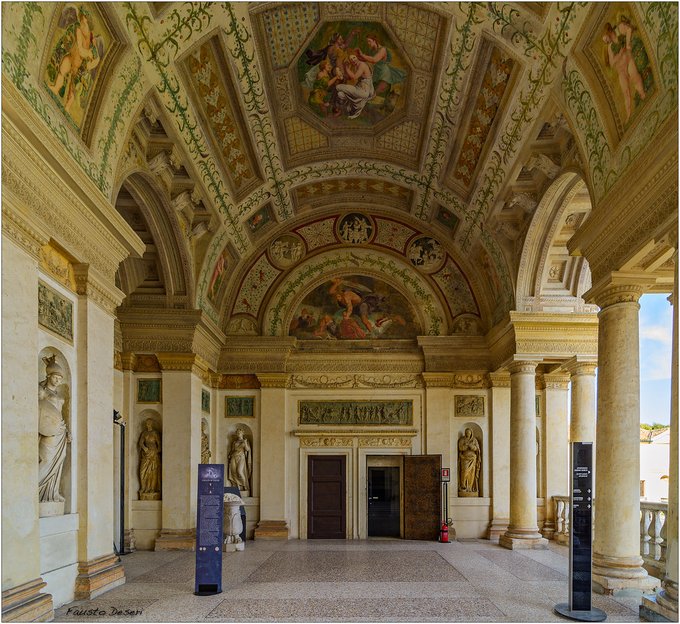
{"x":654,"y":464}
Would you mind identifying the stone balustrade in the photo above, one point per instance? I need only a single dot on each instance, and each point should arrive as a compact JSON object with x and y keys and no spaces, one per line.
{"x":653,"y":537}
{"x":562,"y":508}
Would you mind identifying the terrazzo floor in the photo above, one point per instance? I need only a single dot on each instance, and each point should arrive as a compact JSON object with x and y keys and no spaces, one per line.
{"x":348,"y":581}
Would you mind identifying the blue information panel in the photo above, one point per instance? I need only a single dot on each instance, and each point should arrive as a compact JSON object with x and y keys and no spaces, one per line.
{"x":209,"y":512}
{"x":580,"y":556}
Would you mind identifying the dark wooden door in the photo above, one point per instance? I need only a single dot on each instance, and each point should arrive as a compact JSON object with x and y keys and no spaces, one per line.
{"x":422,"y":496}
{"x":383,"y":501}
{"x":326,"y":513}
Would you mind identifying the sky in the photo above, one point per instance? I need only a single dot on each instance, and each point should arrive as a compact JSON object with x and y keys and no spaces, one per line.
{"x":656,"y":329}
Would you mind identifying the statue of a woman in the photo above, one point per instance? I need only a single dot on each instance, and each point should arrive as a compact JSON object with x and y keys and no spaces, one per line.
{"x":205,"y":445}
{"x":149,"y":462}
{"x":469,"y":465}
{"x":53,"y":436}
{"x":240,"y":462}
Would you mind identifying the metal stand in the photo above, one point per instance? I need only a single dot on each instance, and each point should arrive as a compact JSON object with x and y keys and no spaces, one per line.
{"x":118,"y":420}
{"x":594,"y":615}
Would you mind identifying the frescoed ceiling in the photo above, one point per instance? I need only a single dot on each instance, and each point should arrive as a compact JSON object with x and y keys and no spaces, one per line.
{"x":402,"y":148}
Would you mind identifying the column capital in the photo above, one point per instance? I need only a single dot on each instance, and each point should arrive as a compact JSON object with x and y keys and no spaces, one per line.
{"x":619,"y":287}
{"x":90,"y":283}
{"x":184,"y":362}
{"x":522,"y":366}
{"x":273,"y":380}
{"x":580,"y":366}
{"x":499,"y":379}
{"x":556,"y":381}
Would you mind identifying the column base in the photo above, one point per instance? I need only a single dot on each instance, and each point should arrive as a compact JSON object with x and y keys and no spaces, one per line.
{"x":25,"y":603}
{"x":271,"y":530}
{"x":130,"y":540}
{"x":562,"y":538}
{"x":612,"y":575}
{"x":98,"y":576}
{"x":651,"y":610}
{"x":176,"y":539}
{"x":548,"y":530}
{"x":497,"y":528}
{"x":517,"y":539}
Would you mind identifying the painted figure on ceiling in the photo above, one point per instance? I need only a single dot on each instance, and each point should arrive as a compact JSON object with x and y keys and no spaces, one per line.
{"x":352,"y":98}
{"x":385,"y":75}
{"x":74,"y":60}
{"x":626,"y":55}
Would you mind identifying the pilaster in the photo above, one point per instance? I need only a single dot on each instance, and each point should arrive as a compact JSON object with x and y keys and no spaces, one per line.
{"x":99,"y":569}
{"x":499,"y":414}
{"x":182,"y":384}
{"x":555,"y":445}
{"x":617,"y":564}
{"x":273,"y":478}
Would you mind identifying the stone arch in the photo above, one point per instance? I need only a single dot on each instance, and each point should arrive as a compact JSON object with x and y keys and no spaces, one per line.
{"x":164,"y":271}
{"x":549,"y":279}
{"x":313,"y":272}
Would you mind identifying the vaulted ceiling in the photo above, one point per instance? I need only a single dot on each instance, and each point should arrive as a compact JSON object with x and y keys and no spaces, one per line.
{"x":433,"y":159}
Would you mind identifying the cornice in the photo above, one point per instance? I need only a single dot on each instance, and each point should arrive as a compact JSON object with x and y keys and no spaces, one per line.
{"x":438,"y":380}
{"x":72,"y":210}
{"x":27,"y":236}
{"x":358,"y":433}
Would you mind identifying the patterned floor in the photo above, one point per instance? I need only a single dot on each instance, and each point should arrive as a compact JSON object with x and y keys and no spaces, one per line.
{"x":339,"y":581}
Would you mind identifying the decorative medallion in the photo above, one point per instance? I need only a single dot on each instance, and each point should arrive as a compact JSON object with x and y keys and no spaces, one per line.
{"x":355,"y":228}
{"x":261,"y":218}
{"x":286,"y":250}
{"x":426,"y":253}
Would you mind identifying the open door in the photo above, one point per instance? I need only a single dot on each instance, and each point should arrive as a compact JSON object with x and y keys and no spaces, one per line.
{"x":422,"y":496}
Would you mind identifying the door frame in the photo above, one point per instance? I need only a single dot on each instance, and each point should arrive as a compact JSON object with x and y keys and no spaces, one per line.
{"x":362,"y":489}
{"x":388,"y":461}
{"x":304,"y":484}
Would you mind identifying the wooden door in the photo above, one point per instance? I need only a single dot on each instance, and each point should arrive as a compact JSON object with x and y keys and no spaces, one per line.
{"x":422,"y":496}
{"x":326,"y":513}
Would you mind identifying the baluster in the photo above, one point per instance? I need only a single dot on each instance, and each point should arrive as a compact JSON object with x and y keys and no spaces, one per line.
{"x":656,"y":526}
{"x":559,"y":511}
{"x":662,"y":535}
{"x":567,"y":515}
{"x":645,"y":521}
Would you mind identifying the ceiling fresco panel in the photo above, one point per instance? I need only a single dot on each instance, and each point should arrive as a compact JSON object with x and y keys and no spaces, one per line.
{"x":212,"y":89}
{"x":346,"y":190}
{"x":287,"y":27}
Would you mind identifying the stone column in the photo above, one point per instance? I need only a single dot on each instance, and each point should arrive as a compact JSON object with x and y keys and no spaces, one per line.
{"x":499,"y":464}
{"x":583,"y":400}
{"x":555,"y":446}
{"x":99,"y":569}
{"x":665,"y":602}
{"x":523,"y":532}
{"x":22,"y":599}
{"x":273,"y":478}
{"x":181,"y":448}
{"x":617,"y":564}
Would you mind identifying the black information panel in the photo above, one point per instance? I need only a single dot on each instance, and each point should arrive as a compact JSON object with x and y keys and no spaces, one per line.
{"x":580,"y":557}
{"x":209,"y":512}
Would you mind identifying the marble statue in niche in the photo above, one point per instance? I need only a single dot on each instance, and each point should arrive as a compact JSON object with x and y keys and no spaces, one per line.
{"x":53,"y":437}
{"x":149,"y":462}
{"x":240,"y":462}
{"x":205,"y":444}
{"x":469,"y":464}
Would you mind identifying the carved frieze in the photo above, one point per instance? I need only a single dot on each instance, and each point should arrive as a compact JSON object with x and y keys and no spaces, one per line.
{"x":469,"y":406}
{"x":326,"y":441}
{"x":355,"y":412}
{"x":398,"y":442}
{"x":355,"y":381}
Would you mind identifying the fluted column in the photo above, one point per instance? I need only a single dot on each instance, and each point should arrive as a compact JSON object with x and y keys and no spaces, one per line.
{"x":523,"y":531}
{"x":583,"y":400}
{"x":665,"y":602}
{"x":617,"y":564}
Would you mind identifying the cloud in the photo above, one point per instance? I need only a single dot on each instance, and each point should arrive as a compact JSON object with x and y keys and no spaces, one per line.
{"x":658,"y":333}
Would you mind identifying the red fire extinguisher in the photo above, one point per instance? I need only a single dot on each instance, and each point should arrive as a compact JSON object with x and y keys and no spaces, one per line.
{"x":444,"y":533}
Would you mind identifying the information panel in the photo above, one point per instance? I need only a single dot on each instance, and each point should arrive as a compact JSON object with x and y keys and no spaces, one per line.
{"x":580,"y":556}
{"x":209,"y":514}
